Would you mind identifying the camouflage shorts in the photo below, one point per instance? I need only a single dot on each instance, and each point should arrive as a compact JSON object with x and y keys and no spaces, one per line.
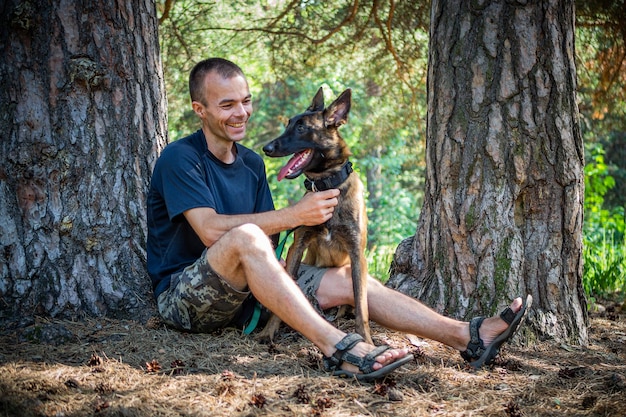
{"x":309,"y":279}
{"x":199,"y":300}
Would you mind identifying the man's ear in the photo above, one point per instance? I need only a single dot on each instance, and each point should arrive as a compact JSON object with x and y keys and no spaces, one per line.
{"x":337,"y":113}
{"x":318,"y":101}
{"x":198,"y":108}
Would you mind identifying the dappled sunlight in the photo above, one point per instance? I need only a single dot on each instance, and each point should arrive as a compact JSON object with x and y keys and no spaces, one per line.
{"x":110,"y":367}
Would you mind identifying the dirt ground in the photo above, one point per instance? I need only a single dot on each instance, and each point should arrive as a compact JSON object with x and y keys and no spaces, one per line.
{"x":125,"y":368}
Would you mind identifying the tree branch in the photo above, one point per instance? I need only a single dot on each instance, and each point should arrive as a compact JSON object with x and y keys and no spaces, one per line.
{"x":166,"y":10}
{"x":315,"y":41}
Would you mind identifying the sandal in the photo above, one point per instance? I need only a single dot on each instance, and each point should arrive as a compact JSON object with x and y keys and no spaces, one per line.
{"x":476,"y":353}
{"x":365,"y":363}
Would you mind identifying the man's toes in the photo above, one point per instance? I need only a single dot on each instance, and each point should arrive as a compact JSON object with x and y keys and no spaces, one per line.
{"x":516,"y":305}
{"x":391,"y":356}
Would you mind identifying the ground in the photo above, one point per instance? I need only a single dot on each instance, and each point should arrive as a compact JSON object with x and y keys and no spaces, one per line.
{"x":106,"y":367}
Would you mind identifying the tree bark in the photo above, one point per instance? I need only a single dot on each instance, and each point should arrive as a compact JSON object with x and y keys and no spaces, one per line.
{"x":503,"y":207}
{"x":83,"y":119}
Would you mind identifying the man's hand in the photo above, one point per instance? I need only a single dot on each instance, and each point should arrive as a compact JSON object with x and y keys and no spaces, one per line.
{"x":313,"y":209}
{"x":317,"y":207}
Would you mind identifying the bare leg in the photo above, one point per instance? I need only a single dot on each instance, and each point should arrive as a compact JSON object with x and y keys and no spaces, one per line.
{"x":245,"y":259}
{"x":397,"y":311}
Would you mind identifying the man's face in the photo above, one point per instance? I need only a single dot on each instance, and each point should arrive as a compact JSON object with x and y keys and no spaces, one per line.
{"x":227,"y":108}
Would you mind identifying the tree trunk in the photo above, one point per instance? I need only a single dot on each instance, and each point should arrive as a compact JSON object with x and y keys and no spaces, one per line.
{"x":83,"y":120}
{"x":503,"y":206}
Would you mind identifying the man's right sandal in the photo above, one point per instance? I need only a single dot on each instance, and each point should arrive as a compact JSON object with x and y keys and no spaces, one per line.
{"x":476,"y":353}
{"x":365,"y":363}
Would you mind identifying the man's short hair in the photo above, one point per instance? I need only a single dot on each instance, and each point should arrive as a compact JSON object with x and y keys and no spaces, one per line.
{"x":223,"y":67}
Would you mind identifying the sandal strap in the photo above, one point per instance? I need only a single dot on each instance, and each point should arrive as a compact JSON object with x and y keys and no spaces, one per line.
{"x":342,"y":355}
{"x":475,"y":347}
{"x":508,"y":315}
{"x":367,"y":362}
{"x":348,"y":342}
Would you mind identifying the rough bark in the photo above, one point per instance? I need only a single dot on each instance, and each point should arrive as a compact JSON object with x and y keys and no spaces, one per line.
{"x":503,"y":204}
{"x":83,"y":119}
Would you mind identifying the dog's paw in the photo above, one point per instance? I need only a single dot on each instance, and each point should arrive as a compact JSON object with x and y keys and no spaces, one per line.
{"x":269,"y":331}
{"x":264,"y":339}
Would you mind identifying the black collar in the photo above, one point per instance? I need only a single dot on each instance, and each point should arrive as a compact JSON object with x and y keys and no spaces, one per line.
{"x":333,"y":181}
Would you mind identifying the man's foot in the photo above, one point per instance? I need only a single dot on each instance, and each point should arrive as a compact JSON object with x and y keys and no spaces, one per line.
{"x":493,"y":326}
{"x":487,"y":335}
{"x":354,"y":358}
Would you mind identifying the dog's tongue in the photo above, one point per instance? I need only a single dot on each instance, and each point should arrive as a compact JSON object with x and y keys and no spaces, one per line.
{"x":288,"y":168}
{"x":293,"y":164}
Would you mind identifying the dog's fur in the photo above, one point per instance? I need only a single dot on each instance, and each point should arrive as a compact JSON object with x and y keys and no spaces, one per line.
{"x":342,"y":239}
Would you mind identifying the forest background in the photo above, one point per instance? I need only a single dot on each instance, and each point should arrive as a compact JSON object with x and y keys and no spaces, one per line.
{"x":288,"y":57}
{"x":83,"y":87}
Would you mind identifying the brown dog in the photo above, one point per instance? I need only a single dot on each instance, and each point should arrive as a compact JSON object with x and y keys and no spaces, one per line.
{"x":321,"y":154}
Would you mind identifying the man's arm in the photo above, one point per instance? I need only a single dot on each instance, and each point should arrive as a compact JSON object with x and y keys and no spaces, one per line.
{"x":313,"y":209}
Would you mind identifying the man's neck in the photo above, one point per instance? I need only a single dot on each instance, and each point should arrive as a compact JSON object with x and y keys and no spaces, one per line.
{"x":222,"y":150}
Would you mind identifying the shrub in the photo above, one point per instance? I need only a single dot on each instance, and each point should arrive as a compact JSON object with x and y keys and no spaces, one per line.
{"x":604,"y":252}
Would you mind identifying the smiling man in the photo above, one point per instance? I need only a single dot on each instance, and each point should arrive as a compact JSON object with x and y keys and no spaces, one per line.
{"x":210,"y":215}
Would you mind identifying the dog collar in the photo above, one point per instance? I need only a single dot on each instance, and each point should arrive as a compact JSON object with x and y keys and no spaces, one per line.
{"x":333,"y":181}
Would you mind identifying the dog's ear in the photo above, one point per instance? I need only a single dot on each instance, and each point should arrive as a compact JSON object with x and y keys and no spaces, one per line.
{"x":318,"y":101}
{"x":337,"y":113}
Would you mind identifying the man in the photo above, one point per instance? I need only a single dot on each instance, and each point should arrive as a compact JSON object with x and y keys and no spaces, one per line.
{"x":210,"y":213}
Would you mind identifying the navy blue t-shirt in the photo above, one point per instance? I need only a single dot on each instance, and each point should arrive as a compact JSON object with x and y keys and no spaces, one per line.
{"x":187,"y":176}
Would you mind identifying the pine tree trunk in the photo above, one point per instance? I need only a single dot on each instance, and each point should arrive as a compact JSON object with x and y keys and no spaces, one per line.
{"x":83,"y":119}
{"x":503,"y":205}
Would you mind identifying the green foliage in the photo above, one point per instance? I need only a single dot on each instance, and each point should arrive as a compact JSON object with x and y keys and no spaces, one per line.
{"x":604,"y":250}
{"x":379,"y":260}
{"x":600,"y":58}
{"x":615,"y":157}
{"x":280,"y":49}
{"x":605,"y":265}
{"x":379,"y":49}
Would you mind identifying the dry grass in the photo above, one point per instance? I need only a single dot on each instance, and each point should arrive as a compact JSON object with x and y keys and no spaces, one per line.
{"x":115,"y":368}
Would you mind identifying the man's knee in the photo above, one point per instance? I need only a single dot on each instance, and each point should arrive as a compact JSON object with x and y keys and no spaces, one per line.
{"x":337,"y":284}
{"x":335,"y":288}
{"x":237,"y":248}
{"x":249,"y":237}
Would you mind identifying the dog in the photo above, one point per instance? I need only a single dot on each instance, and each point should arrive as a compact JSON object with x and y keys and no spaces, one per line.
{"x":322,"y":155}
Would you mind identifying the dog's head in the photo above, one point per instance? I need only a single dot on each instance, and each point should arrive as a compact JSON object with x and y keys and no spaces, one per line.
{"x":313,"y":138}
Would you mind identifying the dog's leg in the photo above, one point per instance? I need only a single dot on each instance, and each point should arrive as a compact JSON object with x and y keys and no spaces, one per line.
{"x":270,"y":329}
{"x":294,"y":257}
{"x":359,"y":285}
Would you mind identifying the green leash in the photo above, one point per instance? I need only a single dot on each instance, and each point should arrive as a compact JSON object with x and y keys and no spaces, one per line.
{"x":256,"y":314}
{"x":281,"y":246}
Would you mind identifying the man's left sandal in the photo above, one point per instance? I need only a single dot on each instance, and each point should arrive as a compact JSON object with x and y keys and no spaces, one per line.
{"x":365,"y":363}
{"x":476,"y":353}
